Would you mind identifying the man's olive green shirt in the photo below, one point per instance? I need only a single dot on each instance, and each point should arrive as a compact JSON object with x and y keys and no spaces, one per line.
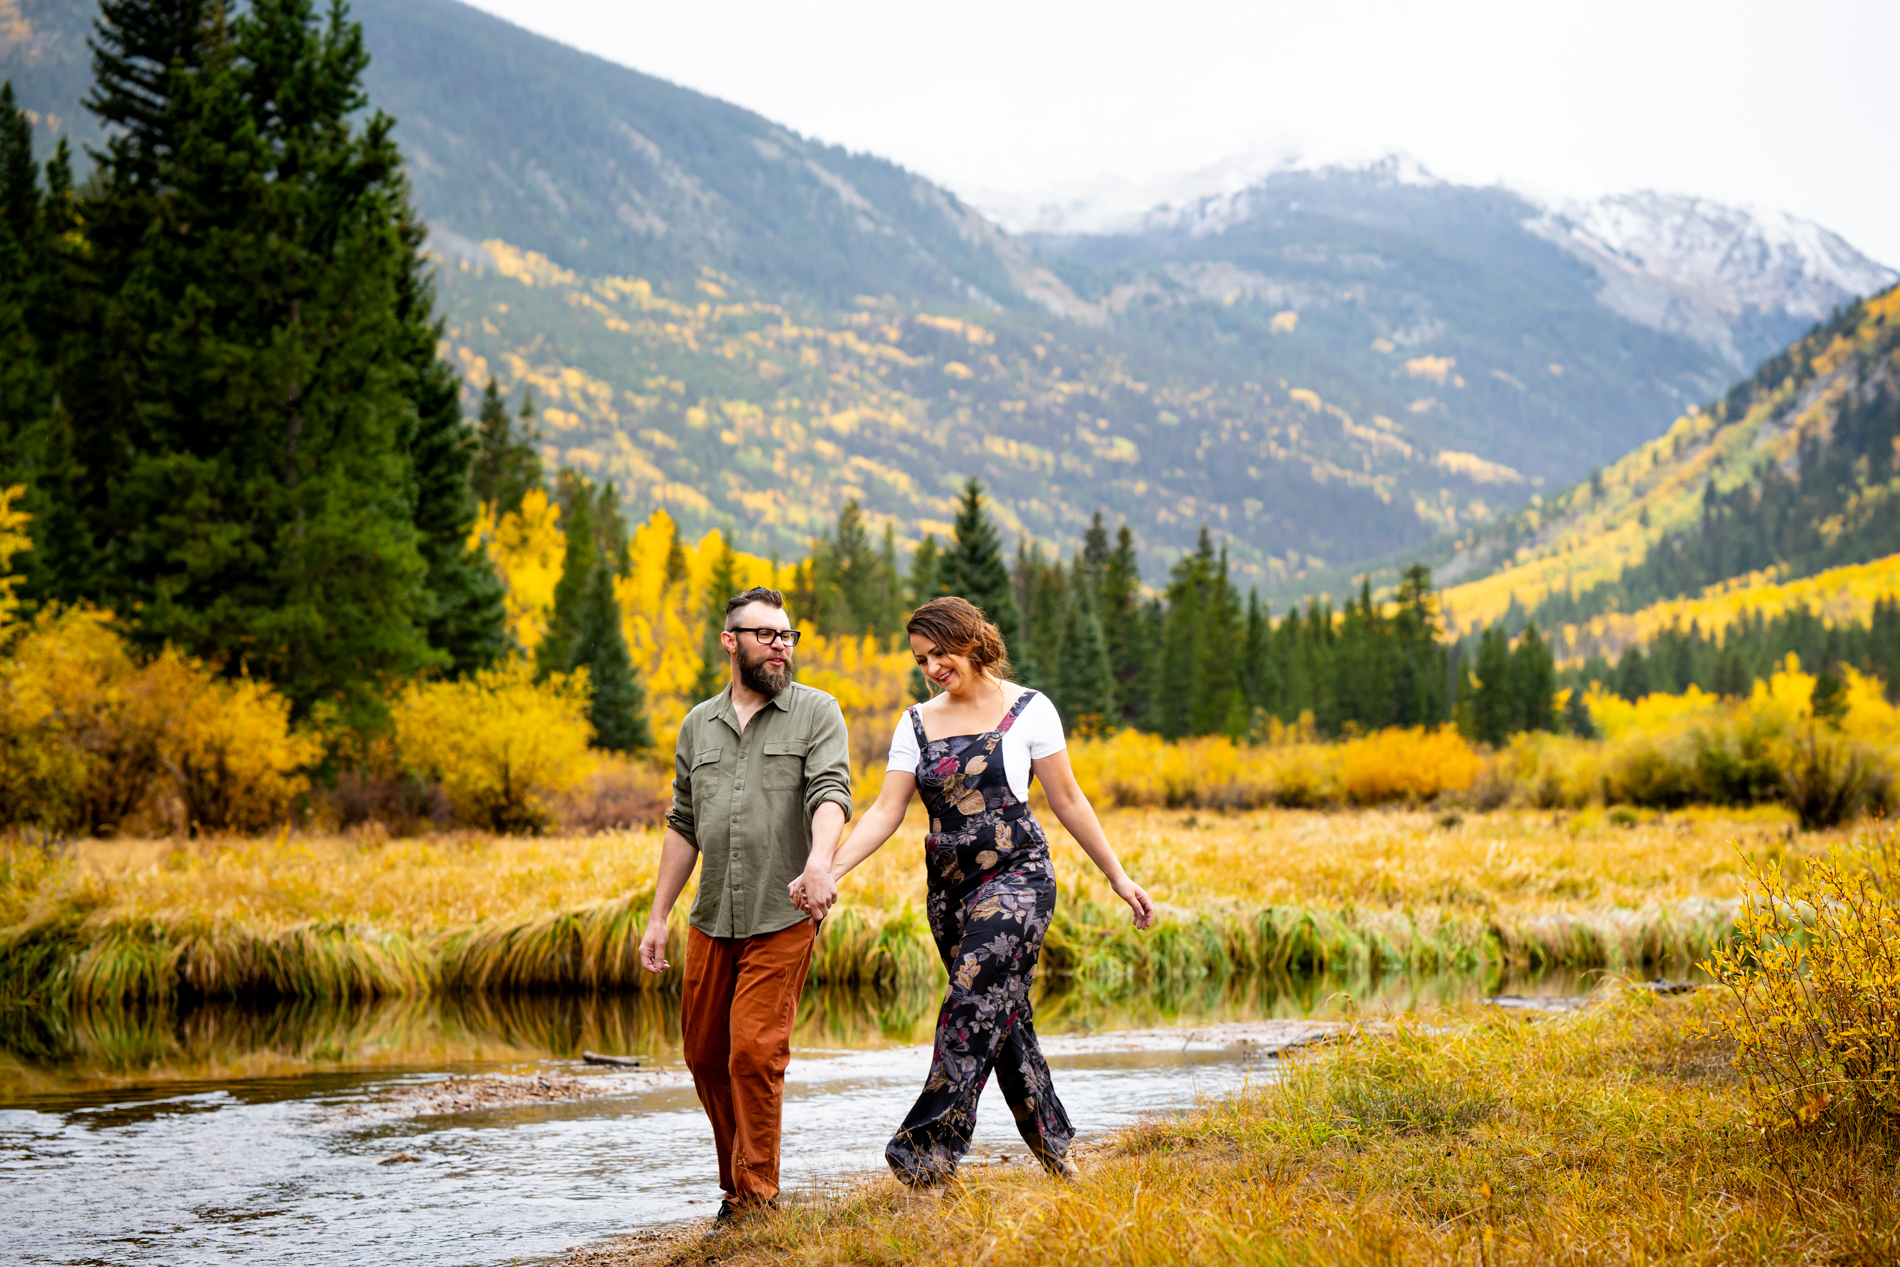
{"x":747,"y":800}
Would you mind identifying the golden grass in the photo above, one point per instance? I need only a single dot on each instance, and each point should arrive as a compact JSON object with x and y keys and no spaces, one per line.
{"x":1278,"y":889}
{"x":1618,"y":1135}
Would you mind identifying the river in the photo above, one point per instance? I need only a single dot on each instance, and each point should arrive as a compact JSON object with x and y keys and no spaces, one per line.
{"x":472,"y":1132}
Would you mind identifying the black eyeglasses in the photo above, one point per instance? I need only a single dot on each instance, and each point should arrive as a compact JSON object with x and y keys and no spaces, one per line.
{"x":770,"y":637}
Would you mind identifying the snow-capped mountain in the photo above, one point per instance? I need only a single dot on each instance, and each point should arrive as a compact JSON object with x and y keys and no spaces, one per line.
{"x":1706,"y":270}
{"x":1739,"y":281}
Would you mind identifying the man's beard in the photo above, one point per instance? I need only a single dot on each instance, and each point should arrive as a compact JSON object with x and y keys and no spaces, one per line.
{"x":766,"y":681}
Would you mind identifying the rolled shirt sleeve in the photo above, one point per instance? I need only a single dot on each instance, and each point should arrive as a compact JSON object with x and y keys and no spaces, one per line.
{"x":680,"y":816}
{"x":828,"y":762}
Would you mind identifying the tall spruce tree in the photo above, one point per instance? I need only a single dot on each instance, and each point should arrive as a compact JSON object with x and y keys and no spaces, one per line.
{"x":714,"y":666}
{"x":1085,"y":689}
{"x":1118,"y":606}
{"x":1492,"y":697}
{"x":463,"y":615}
{"x":925,"y":579}
{"x":618,"y":704}
{"x":973,"y":568}
{"x":26,"y":379}
{"x":578,"y":521}
{"x":1533,"y":683}
{"x":507,"y":464}
{"x":273,"y":468}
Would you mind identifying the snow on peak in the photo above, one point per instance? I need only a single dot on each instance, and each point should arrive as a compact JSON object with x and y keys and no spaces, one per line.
{"x":1204,"y":200}
{"x":1691,"y":266}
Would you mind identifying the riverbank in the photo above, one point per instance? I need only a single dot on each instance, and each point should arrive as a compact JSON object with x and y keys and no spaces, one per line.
{"x":1271,"y":890}
{"x":1618,"y":1134}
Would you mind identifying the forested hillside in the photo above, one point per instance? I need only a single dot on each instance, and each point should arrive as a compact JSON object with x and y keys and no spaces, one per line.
{"x":1353,"y":367}
{"x":1794,"y":470}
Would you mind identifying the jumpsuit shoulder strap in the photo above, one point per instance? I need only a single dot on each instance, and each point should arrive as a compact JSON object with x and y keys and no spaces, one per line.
{"x":1015,"y":710}
{"x":917,"y":724}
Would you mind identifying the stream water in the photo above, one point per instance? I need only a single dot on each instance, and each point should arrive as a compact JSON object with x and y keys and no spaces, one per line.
{"x":227,"y":1134}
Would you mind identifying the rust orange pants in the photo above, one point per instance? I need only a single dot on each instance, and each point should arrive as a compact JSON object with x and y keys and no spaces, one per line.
{"x":736,"y":1011}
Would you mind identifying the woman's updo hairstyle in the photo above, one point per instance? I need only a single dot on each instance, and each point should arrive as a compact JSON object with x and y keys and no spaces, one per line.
{"x":958,"y":628}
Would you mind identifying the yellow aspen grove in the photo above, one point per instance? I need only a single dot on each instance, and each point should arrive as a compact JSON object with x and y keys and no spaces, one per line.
{"x":528,"y":548}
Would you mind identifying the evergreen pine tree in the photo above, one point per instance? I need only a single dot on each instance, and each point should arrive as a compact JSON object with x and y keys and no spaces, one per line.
{"x":973,"y":569}
{"x":1577,"y":719}
{"x":507,"y":464}
{"x":1118,"y":605}
{"x":557,"y":650}
{"x":1259,"y":677}
{"x":464,"y":617}
{"x":26,"y":381}
{"x":714,"y":665}
{"x":245,"y":408}
{"x":1085,"y":690}
{"x":618,"y":704}
{"x":1492,"y":700}
{"x":1533,"y":682}
{"x":925,"y":580}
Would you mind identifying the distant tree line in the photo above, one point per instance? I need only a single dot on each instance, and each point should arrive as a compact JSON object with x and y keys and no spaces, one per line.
{"x":1730,"y":662}
{"x":1197,"y":658}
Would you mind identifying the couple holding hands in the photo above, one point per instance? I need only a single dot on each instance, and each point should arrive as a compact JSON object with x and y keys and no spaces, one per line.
{"x":761,"y":792}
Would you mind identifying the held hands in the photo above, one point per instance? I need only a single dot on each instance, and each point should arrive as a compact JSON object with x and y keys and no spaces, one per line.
{"x":813,"y":892}
{"x":1138,"y":901}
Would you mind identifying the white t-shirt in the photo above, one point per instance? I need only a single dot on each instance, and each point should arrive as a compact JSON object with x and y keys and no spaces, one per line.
{"x":1036,"y":732}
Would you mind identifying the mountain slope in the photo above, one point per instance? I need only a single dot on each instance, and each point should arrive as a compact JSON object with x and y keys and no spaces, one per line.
{"x":1740,"y":282}
{"x":1331,"y":367}
{"x":1796,"y":469}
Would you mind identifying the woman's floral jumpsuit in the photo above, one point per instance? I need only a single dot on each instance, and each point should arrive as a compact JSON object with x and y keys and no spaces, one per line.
{"x":992,"y":894}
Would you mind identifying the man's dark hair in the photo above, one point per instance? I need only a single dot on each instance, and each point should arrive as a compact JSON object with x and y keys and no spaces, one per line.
{"x":757,"y":594}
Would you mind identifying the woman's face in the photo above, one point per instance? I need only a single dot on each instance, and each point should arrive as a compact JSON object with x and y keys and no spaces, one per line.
{"x":947,"y":672}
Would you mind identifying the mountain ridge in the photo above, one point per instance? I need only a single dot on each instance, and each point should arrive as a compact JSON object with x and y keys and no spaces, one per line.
{"x":1359,"y":364}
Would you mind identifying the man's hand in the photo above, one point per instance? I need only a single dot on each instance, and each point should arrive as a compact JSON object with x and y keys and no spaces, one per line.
{"x":813,"y":892}
{"x":653,"y":948}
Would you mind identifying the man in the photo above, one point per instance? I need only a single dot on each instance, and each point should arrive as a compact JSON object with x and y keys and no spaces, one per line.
{"x":761,"y":791}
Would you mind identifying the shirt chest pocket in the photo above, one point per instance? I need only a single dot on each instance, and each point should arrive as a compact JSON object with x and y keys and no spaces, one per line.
{"x":783,"y":764}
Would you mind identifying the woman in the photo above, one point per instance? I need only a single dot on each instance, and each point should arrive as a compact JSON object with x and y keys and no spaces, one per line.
{"x":971,"y":751}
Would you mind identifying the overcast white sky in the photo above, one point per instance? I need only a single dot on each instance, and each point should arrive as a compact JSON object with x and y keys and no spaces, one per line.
{"x":1776,"y":105}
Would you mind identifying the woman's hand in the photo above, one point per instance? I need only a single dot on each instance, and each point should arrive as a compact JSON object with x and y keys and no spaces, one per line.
{"x":813,"y":892}
{"x":1138,"y":901}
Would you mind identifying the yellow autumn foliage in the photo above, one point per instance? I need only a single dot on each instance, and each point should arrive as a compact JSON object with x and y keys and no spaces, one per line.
{"x":1417,"y":764}
{"x":88,"y":735}
{"x":13,"y":540}
{"x":500,"y":743}
{"x":528,"y":550}
{"x":1841,"y":596}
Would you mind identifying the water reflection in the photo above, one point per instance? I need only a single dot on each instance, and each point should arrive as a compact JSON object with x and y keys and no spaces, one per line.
{"x":47,"y":1052}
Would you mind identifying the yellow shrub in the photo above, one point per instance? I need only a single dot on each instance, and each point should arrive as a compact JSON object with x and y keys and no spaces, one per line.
{"x":238,"y":763}
{"x":500,"y":742}
{"x":1406,"y":765}
{"x":1815,"y":969}
{"x":85,"y":731}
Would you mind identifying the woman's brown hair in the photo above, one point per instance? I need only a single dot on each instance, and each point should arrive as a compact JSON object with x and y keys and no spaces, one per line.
{"x":958,"y":628}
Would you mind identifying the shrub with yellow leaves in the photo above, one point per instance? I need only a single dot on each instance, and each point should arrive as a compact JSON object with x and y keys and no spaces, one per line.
{"x":500,"y":743}
{"x":1401,"y":764}
{"x":1815,"y":971}
{"x":1291,"y":769}
{"x":87,"y":733}
{"x":238,"y":763}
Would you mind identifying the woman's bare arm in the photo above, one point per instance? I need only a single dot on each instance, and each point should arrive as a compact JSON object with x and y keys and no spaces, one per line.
{"x":873,"y":828}
{"x":1073,"y":810}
